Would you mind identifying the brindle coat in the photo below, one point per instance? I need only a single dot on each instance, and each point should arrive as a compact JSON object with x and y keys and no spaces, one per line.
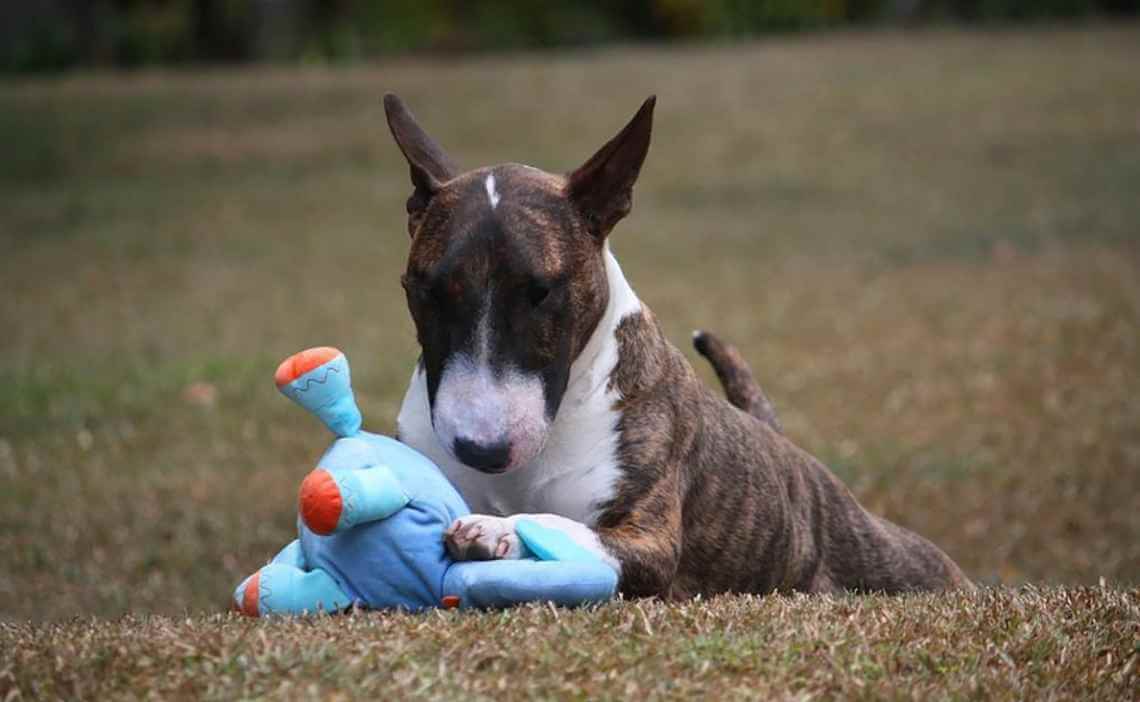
{"x":705,"y":482}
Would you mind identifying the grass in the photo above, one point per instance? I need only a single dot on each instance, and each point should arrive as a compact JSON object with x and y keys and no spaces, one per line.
{"x":1026,"y":644}
{"x":926,"y":243}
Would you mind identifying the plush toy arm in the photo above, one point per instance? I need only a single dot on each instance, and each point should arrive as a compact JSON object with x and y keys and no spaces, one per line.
{"x":495,"y":584}
{"x":565,"y":574}
{"x":333,"y":500}
{"x":353,"y":483}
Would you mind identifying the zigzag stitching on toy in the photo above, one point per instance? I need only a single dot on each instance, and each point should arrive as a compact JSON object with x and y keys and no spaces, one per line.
{"x":320,"y":381}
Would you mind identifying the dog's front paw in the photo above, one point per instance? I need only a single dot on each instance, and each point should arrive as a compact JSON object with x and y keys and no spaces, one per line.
{"x":479,"y":537}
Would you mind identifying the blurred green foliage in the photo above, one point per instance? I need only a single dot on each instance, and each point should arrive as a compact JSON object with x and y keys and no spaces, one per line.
{"x":56,"y":34}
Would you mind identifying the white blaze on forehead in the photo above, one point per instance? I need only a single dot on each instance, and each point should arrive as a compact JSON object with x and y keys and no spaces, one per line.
{"x":482,"y":349}
{"x":492,"y":194}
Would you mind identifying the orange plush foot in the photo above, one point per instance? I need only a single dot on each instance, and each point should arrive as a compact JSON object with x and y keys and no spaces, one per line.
{"x":250,"y":596}
{"x":302,"y":362}
{"x":320,"y":502}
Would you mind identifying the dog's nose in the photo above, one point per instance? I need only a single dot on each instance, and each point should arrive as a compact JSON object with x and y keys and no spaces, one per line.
{"x":489,"y":458}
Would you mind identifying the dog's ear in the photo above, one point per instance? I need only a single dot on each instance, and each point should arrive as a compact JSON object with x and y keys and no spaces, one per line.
{"x":602,"y":187}
{"x":430,"y":166}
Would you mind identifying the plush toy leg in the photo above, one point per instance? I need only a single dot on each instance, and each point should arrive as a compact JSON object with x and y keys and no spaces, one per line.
{"x":279,"y":588}
{"x":320,"y":381}
{"x":291,"y":555}
{"x":332,"y":501}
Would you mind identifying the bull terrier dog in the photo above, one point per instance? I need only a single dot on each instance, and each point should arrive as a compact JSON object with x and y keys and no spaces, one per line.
{"x":547,"y":390}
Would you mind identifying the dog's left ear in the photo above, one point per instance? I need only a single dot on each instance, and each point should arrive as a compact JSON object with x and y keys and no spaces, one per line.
{"x":602,"y":188}
{"x":430,"y":166}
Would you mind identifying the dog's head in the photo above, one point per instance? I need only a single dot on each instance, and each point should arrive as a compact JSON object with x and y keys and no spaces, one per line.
{"x":506,"y":282}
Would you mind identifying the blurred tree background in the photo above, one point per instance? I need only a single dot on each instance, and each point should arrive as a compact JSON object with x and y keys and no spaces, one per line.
{"x":47,"y":35}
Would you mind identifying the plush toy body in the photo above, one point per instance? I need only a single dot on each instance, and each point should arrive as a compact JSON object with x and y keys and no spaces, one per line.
{"x":372,"y":518}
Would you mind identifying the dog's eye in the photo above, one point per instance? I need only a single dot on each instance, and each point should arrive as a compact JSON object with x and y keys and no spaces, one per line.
{"x":537,"y":292}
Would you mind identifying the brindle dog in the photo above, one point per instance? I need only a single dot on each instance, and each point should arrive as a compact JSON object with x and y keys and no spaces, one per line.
{"x":547,"y":388}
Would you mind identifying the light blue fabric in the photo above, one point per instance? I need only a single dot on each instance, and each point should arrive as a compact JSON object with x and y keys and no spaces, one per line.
{"x":401,"y":560}
{"x":291,"y":555}
{"x":368,"y":494}
{"x":390,"y":553}
{"x":326,"y":391}
{"x":285,"y":589}
{"x":483,"y":584}
{"x":551,"y":544}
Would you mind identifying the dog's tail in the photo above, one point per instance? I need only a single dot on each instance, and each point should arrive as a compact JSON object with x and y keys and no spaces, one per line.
{"x":740,"y":388}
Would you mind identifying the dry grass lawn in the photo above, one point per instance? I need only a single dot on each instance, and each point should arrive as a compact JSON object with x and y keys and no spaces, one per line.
{"x":1030,"y":644}
{"x":926,"y":243}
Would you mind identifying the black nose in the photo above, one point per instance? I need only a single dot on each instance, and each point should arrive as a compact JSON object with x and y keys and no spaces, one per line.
{"x":489,"y":458}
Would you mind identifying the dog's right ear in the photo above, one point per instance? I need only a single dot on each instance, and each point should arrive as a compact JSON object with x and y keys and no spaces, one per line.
{"x":603,"y":186}
{"x":430,"y":166}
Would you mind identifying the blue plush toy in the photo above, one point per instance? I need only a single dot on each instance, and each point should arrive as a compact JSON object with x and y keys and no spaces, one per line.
{"x":373,"y":515}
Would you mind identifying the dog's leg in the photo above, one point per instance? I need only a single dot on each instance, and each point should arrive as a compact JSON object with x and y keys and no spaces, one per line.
{"x":740,"y":387}
{"x":643,"y":532}
{"x":481,"y":537}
